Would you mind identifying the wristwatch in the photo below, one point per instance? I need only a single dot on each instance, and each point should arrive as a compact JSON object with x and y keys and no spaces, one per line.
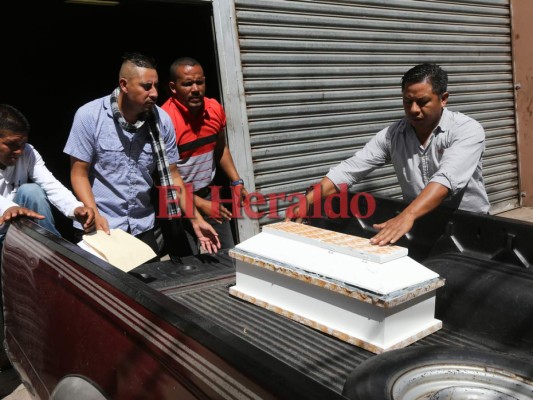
{"x":237,"y":182}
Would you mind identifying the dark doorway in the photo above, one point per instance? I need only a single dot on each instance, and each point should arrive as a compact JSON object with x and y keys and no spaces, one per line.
{"x":59,"y":55}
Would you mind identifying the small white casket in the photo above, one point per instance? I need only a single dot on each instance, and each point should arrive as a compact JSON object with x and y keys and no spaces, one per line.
{"x":374,"y":297}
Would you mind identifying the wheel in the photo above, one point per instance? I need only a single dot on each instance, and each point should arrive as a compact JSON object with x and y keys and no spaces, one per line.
{"x":441,"y":372}
{"x":77,"y":387}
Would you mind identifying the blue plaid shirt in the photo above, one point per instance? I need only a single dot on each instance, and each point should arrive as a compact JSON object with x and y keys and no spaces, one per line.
{"x":122,"y":164}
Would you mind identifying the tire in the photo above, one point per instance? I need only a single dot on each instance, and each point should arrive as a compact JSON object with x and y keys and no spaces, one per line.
{"x":75,"y":387}
{"x":440,"y":372}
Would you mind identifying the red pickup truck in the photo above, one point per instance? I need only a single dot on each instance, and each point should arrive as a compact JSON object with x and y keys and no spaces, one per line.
{"x":78,"y":328}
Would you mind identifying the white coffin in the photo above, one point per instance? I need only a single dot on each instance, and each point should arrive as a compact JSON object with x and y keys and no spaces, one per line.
{"x":374,"y":297}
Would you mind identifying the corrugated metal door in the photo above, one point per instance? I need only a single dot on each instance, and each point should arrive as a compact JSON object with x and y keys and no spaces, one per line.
{"x":321,"y":78}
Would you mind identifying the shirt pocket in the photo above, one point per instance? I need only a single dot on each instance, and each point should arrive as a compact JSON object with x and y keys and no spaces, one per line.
{"x":110,"y":152}
{"x":147,"y":159}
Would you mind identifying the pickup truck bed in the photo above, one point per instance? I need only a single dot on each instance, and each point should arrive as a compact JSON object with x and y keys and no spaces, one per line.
{"x":168,"y":330}
{"x":320,"y":356}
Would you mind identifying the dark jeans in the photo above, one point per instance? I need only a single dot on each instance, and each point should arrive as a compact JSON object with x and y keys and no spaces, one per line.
{"x":32,"y":196}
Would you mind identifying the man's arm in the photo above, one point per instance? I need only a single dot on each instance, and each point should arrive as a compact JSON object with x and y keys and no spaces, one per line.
{"x":392,"y":230}
{"x":459,"y":161}
{"x":223,"y":157}
{"x":204,"y":231}
{"x":327,"y":187}
{"x":225,"y":160}
{"x":374,"y":154}
{"x":57,"y":194}
{"x":207,"y":209}
{"x":79,"y":177}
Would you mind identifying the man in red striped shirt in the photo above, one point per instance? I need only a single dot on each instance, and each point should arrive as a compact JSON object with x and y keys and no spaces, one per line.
{"x":200,"y":124}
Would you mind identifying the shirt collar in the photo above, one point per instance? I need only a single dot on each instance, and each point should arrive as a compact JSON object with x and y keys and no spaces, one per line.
{"x":187,"y":114}
{"x":445,"y":121}
{"x":443,"y":125}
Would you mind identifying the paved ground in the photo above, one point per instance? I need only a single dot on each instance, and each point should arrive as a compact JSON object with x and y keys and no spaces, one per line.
{"x":12,"y":389}
{"x":20,"y":393}
{"x":522,"y":213}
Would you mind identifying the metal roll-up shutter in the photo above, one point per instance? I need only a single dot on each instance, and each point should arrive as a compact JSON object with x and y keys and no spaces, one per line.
{"x":321,"y":78}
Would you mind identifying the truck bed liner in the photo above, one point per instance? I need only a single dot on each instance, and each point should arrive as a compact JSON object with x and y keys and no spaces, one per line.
{"x":325,"y":358}
{"x":320,"y":356}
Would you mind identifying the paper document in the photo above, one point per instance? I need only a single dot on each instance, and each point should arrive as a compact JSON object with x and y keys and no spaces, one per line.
{"x":119,"y":249}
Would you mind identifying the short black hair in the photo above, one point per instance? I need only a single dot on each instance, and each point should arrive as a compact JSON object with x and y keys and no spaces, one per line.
{"x":13,"y":120}
{"x":432,"y":73}
{"x":181,"y":61}
{"x":140,"y":60}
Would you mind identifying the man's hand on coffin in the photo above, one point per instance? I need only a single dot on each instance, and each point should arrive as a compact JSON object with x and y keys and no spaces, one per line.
{"x":296,"y":216}
{"x":392,"y":230}
{"x":323,"y":189}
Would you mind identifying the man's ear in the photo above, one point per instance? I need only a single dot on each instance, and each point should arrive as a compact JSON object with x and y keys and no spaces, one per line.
{"x":444,"y":99}
{"x":123,"y":82}
{"x":172,"y":86}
